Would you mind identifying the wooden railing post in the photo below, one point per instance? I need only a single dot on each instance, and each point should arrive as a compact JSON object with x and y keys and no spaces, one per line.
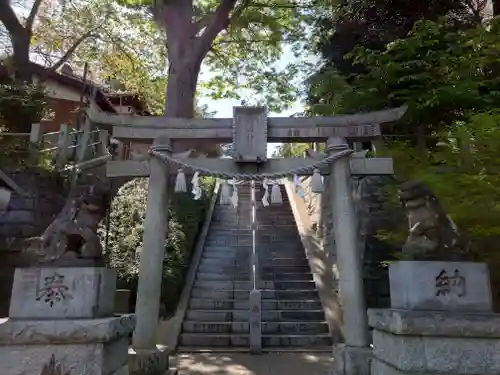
{"x":83,"y":142}
{"x":103,"y":139}
{"x":62,"y":145}
{"x":35,"y":140}
{"x":36,"y":134}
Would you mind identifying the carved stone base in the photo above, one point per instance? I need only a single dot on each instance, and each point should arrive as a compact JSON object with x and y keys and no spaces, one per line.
{"x":65,"y":347}
{"x":430,"y":342}
{"x":148,"y":361}
{"x":349,"y":360}
{"x":63,"y":293}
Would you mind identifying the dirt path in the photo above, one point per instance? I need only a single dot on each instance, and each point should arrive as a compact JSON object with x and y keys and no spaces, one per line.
{"x":246,"y":364}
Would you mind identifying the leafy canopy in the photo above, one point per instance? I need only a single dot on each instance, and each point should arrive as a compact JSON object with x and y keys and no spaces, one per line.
{"x":242,"y":58}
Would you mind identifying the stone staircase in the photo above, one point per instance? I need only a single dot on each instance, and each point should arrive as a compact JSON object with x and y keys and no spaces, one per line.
{"x":218,"y":311}
{"x":217,"y":316}
{"x":292,"y":314}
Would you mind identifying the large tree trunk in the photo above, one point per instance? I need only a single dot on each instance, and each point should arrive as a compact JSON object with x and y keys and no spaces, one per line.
{"x":181,"y":89}
{"x":21,"y":58}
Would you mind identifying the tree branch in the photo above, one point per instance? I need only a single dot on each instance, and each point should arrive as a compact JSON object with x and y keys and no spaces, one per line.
{"x":31,"y":17}
{"x":217,"y":22}
{"x":73,"y":48}
{"x":9,"y":19}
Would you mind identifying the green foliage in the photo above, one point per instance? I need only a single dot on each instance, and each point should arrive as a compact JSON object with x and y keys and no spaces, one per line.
{"x":127,"y":215}
{"x":242,"y":58}
{"x":294,"y":150}
{"x":439,"y":71}
{"x":124,"y":48}
{"x":21,"y":104}
{"x":467,"y":189}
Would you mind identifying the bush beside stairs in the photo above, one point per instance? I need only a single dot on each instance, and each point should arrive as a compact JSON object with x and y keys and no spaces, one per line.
{"x":217,"y":315}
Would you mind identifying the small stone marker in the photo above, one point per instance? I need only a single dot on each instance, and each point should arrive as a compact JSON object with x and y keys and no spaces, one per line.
{"x":443,"y":286}
{"x":255,"y":322}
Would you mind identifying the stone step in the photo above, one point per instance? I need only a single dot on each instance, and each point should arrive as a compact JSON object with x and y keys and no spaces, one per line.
{"x":295,"y":327}
{"x":298,"y":294}
{"x":277,"y":262}
{"x":280,"y":276}
{"x":281,"y":252}
{"x":224,"y":262}
{"x":215,"y":327}
{"x":231,"y":241}
{"x":244,"y":294}
{"x":206,"y":276}
{"x":227,"y":257}
{"x":244,"y":268}
{"x":234,"y":275}
{"x":263,"y":284}
{"x":246,"y":249}
{"x":247,"y":254}
{"x":304,"y":340}
{"x":294,"y":284}
{"x":243,"y":315}
{"x":229,"y":285}
{"x":214,"y":339}
{"x":217,"y":316}
{"x":267,"y":327}
{"x":218,"y":304}
{"x":242,"y":304}
{"x":243,"y":340}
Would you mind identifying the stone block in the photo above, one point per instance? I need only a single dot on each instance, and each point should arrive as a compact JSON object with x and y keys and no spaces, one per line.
{"x":78,"y":347}
{"x":63,"y":293}
{"x":148,"y":361}
{"x":122,"y":301}
{"x":436,"y":354}
{"x":448,"y":286}
{"x":59,"y":332}
{"x":432,"y":342}
{"x":349,"y":360}
{"x":435,"y":323}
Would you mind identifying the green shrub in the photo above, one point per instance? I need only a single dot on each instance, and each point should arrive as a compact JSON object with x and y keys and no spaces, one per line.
{"x":20,"y":106}
{"x":124,"y":242}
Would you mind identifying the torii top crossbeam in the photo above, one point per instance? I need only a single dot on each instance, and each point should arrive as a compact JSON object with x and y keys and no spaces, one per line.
{"x":279,"y":129}
{"x":250,"y":130}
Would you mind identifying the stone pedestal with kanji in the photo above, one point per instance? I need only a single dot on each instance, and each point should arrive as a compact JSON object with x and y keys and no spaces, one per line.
{"x":441,"y":321}
{"x":61,"y":323}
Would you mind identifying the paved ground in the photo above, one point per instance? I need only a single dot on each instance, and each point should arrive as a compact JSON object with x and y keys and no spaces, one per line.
{"x":246,"y":364}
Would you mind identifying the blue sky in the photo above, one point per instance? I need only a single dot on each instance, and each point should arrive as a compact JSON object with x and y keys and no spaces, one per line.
{"x":224,"y":107}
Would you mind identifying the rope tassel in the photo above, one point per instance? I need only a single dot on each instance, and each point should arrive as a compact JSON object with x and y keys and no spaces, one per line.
{"x":234,"y":197}
{"x":196,"y":186}
{"x":180,"y":182}
{"x":276,"y":197}
{"x":225,"y":195}
{"x":265,"y":198}
{"x":298,"y":187}
{"x":317,"y":182}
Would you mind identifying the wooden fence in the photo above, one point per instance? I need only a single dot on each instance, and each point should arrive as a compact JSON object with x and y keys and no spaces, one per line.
{"x":70,"y":149}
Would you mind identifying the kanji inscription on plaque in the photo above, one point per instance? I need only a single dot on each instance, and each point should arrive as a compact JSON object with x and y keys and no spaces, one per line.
{"x":250,"y":134}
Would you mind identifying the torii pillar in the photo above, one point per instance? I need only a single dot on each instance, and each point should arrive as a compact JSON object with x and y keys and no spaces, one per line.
{"x":145,"y":357}
{"x":354,"y":356}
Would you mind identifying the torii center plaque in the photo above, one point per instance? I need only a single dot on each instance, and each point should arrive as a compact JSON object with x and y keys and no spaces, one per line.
{"x":250,"y":134}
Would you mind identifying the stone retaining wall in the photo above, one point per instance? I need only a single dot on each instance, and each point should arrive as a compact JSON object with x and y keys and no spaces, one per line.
{"x":373,"y":215}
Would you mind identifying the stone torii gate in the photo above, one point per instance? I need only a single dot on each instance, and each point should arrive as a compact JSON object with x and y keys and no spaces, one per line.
{"x":250,"y":129}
